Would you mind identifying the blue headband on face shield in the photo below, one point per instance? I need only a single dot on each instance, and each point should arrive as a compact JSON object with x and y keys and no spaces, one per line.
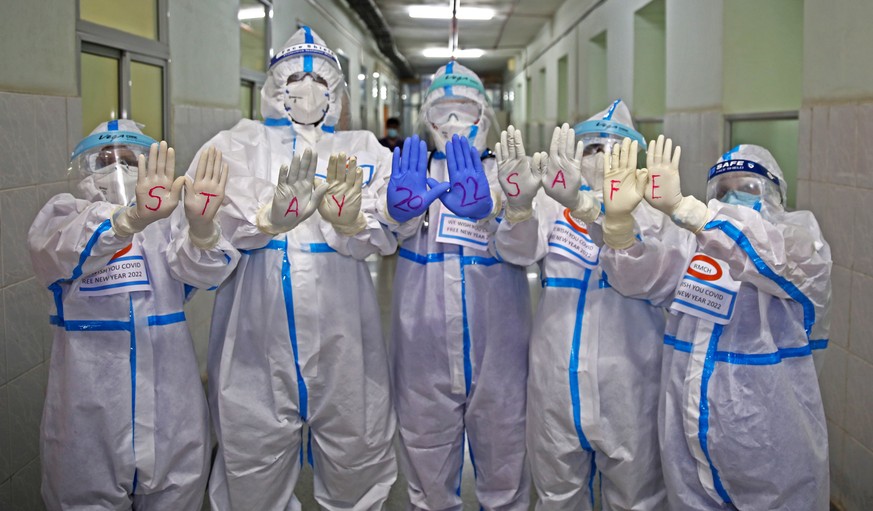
{"x":112,"y":138}
{"x":306,"y":50}
{"x":724,"y":167}
{"x":607,"y":127}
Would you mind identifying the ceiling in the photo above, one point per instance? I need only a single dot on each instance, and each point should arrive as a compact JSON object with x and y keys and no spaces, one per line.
{"x":514,"y":25}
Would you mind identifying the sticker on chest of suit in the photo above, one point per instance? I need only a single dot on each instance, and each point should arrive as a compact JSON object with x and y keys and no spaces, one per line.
{"x":569,"y":239}
{"x":457,"y":230}
{"x":366,"y":161}
{"x":125,"y":272}
{"x":707,"y":290}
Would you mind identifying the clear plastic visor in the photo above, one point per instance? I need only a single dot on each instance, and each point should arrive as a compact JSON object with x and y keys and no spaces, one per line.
{"x":463,"y":109}
{"x":745,"y":182}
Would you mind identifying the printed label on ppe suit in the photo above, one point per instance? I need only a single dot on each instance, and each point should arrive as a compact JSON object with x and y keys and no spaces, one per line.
{"x":125,"y":272}
{"x":570,"y":240}
{"x":457,"y":230}
{"x":707,"y":290}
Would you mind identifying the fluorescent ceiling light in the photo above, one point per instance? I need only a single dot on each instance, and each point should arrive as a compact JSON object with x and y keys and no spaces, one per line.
{"x":436,"y":12}
{"x":251,"y":13}
{"x":445,"y":53}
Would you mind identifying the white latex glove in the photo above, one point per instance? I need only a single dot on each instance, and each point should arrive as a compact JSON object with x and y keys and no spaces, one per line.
{"x":519,"y":182}
{"x":295,"y":198}
{"x":623,"y":188}
{"x":562,"y":176}
{"x":203,"y":197}
{"x":341,"y":205}
{"x":664,"y":192}
{"x":157,"y":193}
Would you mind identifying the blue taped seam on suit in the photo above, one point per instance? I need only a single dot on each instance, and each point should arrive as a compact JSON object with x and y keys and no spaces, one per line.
{"x":132,"y":327}
{"x":703,"y":420}
{"x":273,"y":121}
{"x":743,"y":242}
{"x":753,"y":359}
{"x":573,"y":373}
{"x":461,"y":467}
{"x":468,"y":364}
{"x":592,"y":472}
{"x":678,"y":345}
{"x":86,"y":253}
{"x":166,"y":319}
{"x":292,"y":332}
{"x":439,"y":257}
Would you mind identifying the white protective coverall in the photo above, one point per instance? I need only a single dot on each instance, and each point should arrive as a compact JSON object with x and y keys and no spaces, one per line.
{"x":460,"y":329}
{"x":595,"y":355}
{"x":296,"y":335}
{"x":741,"y":421}
{"x":125,"y":423}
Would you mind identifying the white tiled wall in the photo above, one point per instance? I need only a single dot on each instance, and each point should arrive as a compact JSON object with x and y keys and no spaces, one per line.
{"x":836,"y":182}
{"x":699,"y":133}
{"x":36,"y":136}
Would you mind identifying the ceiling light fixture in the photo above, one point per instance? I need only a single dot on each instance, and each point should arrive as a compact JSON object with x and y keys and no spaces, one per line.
{"x":436,"y":12}
{"x":251,"y":13}
{"x":445,"y":53}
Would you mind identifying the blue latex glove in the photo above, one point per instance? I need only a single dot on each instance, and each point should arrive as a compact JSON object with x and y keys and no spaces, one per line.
{"x":470,"y":195}
{"x":408,"y":195}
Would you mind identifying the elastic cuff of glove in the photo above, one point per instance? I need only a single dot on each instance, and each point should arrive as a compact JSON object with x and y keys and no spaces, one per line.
{"x":263,"y":221}
{"x":350,"y":230}
{"x":691,"y":214}
{"x":515,"y":215}
{"x":205,"y":242}
{"x":122,"y":224}
{"x":618,"y":233}
{"x":587,"y":208}
{"x":497,"y":207}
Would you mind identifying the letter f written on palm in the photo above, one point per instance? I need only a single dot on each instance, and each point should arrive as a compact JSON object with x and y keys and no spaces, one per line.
{"x":408,"y":194}
{"x":623,"y":183}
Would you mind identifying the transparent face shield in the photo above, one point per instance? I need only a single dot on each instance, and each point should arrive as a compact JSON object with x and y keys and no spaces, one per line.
{"x":744,"y":183}
{"x":456,"y":115}
{"x":596,"y":148}
{"x":105,"y":165}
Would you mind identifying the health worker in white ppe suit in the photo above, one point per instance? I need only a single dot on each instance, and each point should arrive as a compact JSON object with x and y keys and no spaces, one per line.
{"x":296,"y":336}
{"x":593,"y":380}
{"x":461,"y":316}
{"x":125,"y":424}
{"x":740,"y":417}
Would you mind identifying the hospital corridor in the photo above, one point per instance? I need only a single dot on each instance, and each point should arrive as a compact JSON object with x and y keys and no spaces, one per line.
{"x":436,"y":255}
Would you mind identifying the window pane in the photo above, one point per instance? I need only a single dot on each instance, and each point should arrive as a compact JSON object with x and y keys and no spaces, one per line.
{"x":252,"y":35}
{"x":780,"y":138}
{"x":99,"y":90}
{"x":245,"y":99}
{"x":147,"y":98}
{"x":137,"y":17}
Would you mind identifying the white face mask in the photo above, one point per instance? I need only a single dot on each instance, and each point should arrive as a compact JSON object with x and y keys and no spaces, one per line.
{"x":591,"y":171}
{"x":115,"y":184}
{"x":306,"y":101}
{"x":461,"y":127}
